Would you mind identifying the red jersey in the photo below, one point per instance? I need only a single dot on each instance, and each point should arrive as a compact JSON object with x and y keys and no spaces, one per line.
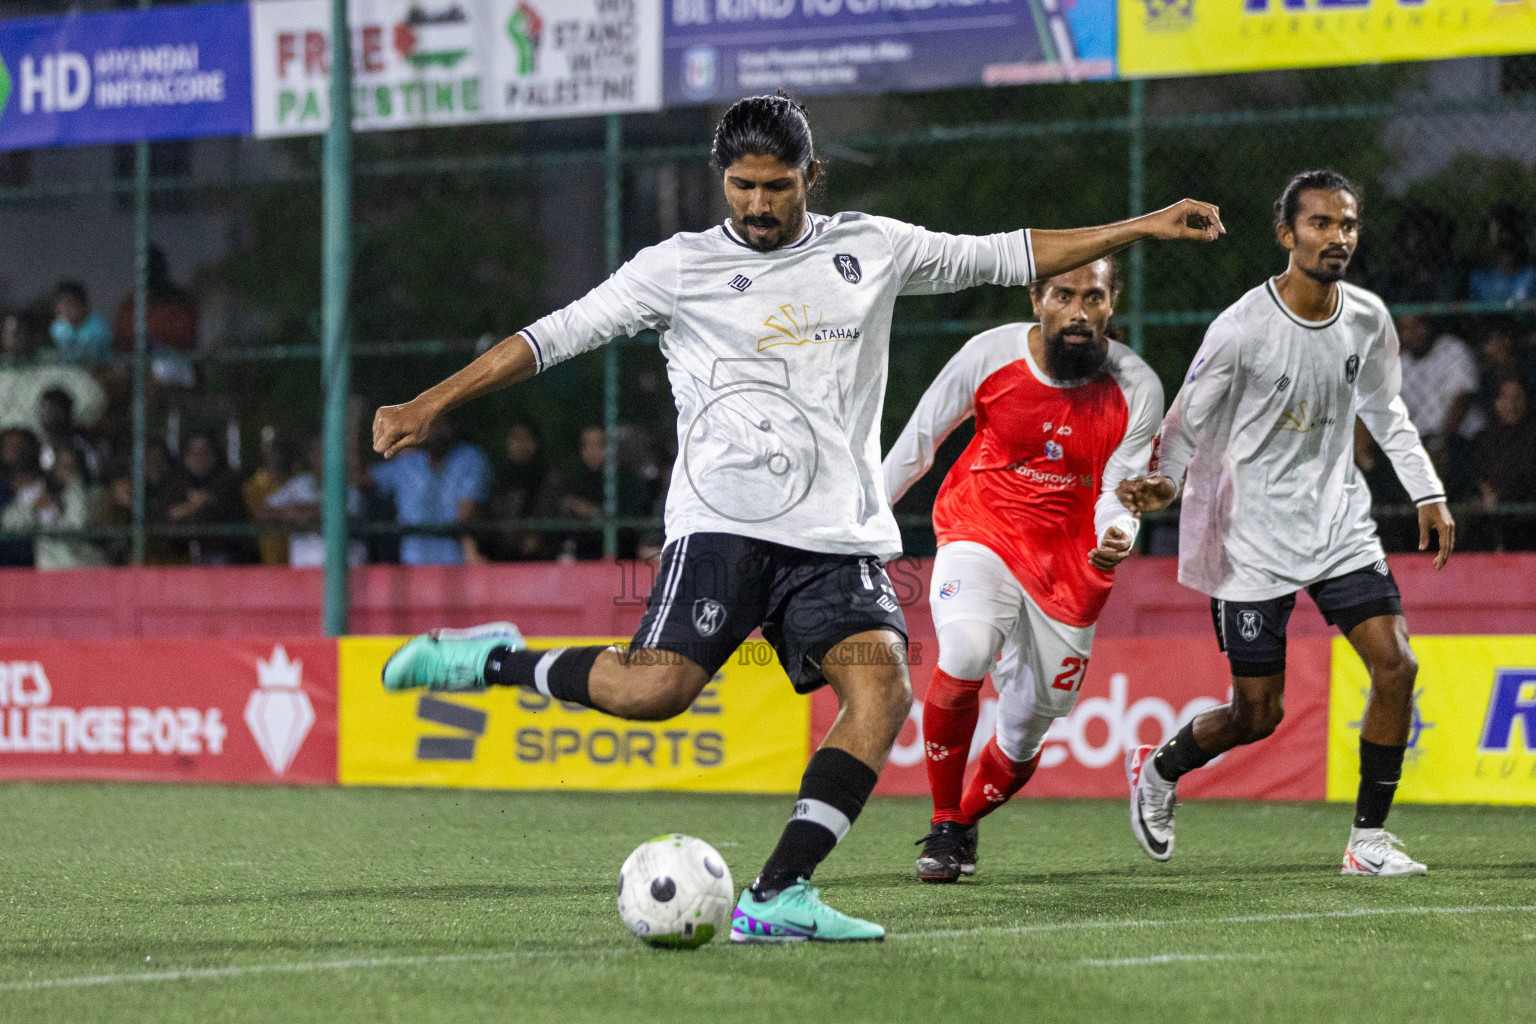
{"x":1037,"y":483}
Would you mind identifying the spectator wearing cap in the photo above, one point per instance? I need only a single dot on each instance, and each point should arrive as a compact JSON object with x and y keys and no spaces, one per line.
{"x":1439,"y":387}
{"x":79,"y":336}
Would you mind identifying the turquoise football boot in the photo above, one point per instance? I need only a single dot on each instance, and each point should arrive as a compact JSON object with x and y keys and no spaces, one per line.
{"x":797,"y":914}
{"x":449,"y":659}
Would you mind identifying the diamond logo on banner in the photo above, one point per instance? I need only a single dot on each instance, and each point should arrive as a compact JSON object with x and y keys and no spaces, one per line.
{"x":279,"y":713}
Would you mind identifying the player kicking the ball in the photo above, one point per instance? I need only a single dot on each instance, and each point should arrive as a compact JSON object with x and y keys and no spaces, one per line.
{"x":1029,"y":533}
{"x":775,"y":326}
{"x":1273,"y":504}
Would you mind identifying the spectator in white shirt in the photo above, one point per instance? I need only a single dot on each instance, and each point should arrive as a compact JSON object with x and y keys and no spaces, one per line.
{"x":297,"y":504}
{"x":1439,"y":387}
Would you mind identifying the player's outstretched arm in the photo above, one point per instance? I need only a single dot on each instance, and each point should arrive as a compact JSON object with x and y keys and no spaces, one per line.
{"x":397,"y":427}
{"x":1437,"y":516}
{"x":1146,"y":493}
{"x":1057,"y":252}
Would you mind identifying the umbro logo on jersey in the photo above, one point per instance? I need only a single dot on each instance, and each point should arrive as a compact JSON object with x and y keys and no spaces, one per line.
{"x":1283,"y":383}
{"x":740,"y":283}
{"x":848,"y":266}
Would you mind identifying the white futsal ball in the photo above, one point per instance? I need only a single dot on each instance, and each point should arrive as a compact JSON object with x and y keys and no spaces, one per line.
{"x":676,"y":891}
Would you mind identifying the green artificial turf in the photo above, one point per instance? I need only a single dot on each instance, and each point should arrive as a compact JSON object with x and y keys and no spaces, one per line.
{"x":129,"y":903}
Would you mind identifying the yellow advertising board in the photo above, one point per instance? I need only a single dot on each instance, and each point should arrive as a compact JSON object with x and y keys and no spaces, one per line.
{"x":1473,"y":738}
{"x":1187,"y":37}
{"x":748,"y":732}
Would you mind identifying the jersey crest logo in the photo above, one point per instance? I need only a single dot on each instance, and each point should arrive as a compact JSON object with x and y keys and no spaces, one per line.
{"x":1351,"y":369}
{"x":741,"y":283}
{"x":708,"y":616}
{"x":1249,"y":623}
{"x":848,"y":266}
{"x":1054,"y":451}
{"x":949,"y":589}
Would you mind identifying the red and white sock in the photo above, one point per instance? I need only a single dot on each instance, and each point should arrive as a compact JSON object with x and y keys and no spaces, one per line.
{"x":950,"y":709}
{"x":997,"y":778}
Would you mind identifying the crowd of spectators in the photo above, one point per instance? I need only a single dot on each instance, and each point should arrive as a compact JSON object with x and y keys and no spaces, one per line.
{"x":66,"y":464}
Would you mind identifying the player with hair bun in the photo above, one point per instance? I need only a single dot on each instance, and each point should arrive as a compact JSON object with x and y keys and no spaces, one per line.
{"x":776,"y":327}
{"x":1264,"y":426}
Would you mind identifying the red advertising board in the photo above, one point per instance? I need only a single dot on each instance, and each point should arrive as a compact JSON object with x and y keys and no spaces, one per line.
{"x":1141,"y":691}
{"x":169,"y":710}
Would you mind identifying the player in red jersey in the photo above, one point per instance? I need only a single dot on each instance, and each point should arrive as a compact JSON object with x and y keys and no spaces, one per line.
{"x":1029,"y":533}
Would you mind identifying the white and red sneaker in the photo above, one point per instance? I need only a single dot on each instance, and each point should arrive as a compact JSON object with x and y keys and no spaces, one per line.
{"x":1374,"y":851}
{"x":1152,"y":803}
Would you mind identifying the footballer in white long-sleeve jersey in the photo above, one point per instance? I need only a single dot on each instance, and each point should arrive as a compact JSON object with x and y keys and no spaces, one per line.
{"x":775,"y":326}
{"x":1260,"y":440}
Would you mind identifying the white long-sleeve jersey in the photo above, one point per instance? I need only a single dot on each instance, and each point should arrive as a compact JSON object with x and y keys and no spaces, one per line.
{"x":1037,"y":483}
{"x":1265,"y":424}
{"x":778,"y":364}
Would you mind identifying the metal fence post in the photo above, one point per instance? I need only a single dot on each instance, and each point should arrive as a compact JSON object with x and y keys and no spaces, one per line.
{"x":613,"y":232}
{"x":336,"y":371}
{"x":1138,"y":203}
{"x":140,"y":335}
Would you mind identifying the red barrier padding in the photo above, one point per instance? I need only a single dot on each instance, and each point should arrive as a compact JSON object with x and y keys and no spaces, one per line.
{"x":169,"y":710}
{"x":1476,"y":593}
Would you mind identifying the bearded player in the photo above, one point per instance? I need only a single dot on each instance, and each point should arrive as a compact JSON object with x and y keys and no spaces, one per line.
{"x":775,"y":326}
{"x":1273,"y":504}
{"x":1029,"y":533}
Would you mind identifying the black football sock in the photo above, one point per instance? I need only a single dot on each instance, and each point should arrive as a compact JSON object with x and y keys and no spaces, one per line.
{"x":832,"y":793}
{"x":1380,"y":769}
{"x":1180,"y":754}
{"x":561,"y":673}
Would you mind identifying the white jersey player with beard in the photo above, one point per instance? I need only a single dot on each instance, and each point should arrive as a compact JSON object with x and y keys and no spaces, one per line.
{"x":776,"y":329}
{"x":1260,"y":443}
{"x":1265,"y":426}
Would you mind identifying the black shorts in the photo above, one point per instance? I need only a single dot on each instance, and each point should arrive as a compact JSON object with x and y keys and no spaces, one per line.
{"x":1252,"y":633}
{"x":713,"y":589}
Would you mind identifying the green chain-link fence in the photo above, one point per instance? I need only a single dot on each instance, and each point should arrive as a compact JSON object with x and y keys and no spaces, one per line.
{"x":447,"y":259}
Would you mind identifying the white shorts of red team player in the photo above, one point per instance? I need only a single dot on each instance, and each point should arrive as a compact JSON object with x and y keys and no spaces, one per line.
{"x":1042,"y":662}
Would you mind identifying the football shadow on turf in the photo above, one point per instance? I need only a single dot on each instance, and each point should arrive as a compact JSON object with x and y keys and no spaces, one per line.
{"x":383,"y":893}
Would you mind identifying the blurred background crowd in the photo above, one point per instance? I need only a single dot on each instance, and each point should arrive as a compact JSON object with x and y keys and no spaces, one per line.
{"x":465,"y":237}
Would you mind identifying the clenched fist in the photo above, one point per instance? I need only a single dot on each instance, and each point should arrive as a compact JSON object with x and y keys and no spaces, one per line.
{"x":397,"y":427}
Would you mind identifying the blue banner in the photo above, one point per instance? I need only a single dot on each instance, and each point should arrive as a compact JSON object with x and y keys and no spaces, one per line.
{"x":168,"y":73}
{"x":717,"y":50}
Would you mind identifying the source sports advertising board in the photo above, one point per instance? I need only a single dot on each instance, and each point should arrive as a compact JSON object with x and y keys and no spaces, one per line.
{"x":306,"y":711}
